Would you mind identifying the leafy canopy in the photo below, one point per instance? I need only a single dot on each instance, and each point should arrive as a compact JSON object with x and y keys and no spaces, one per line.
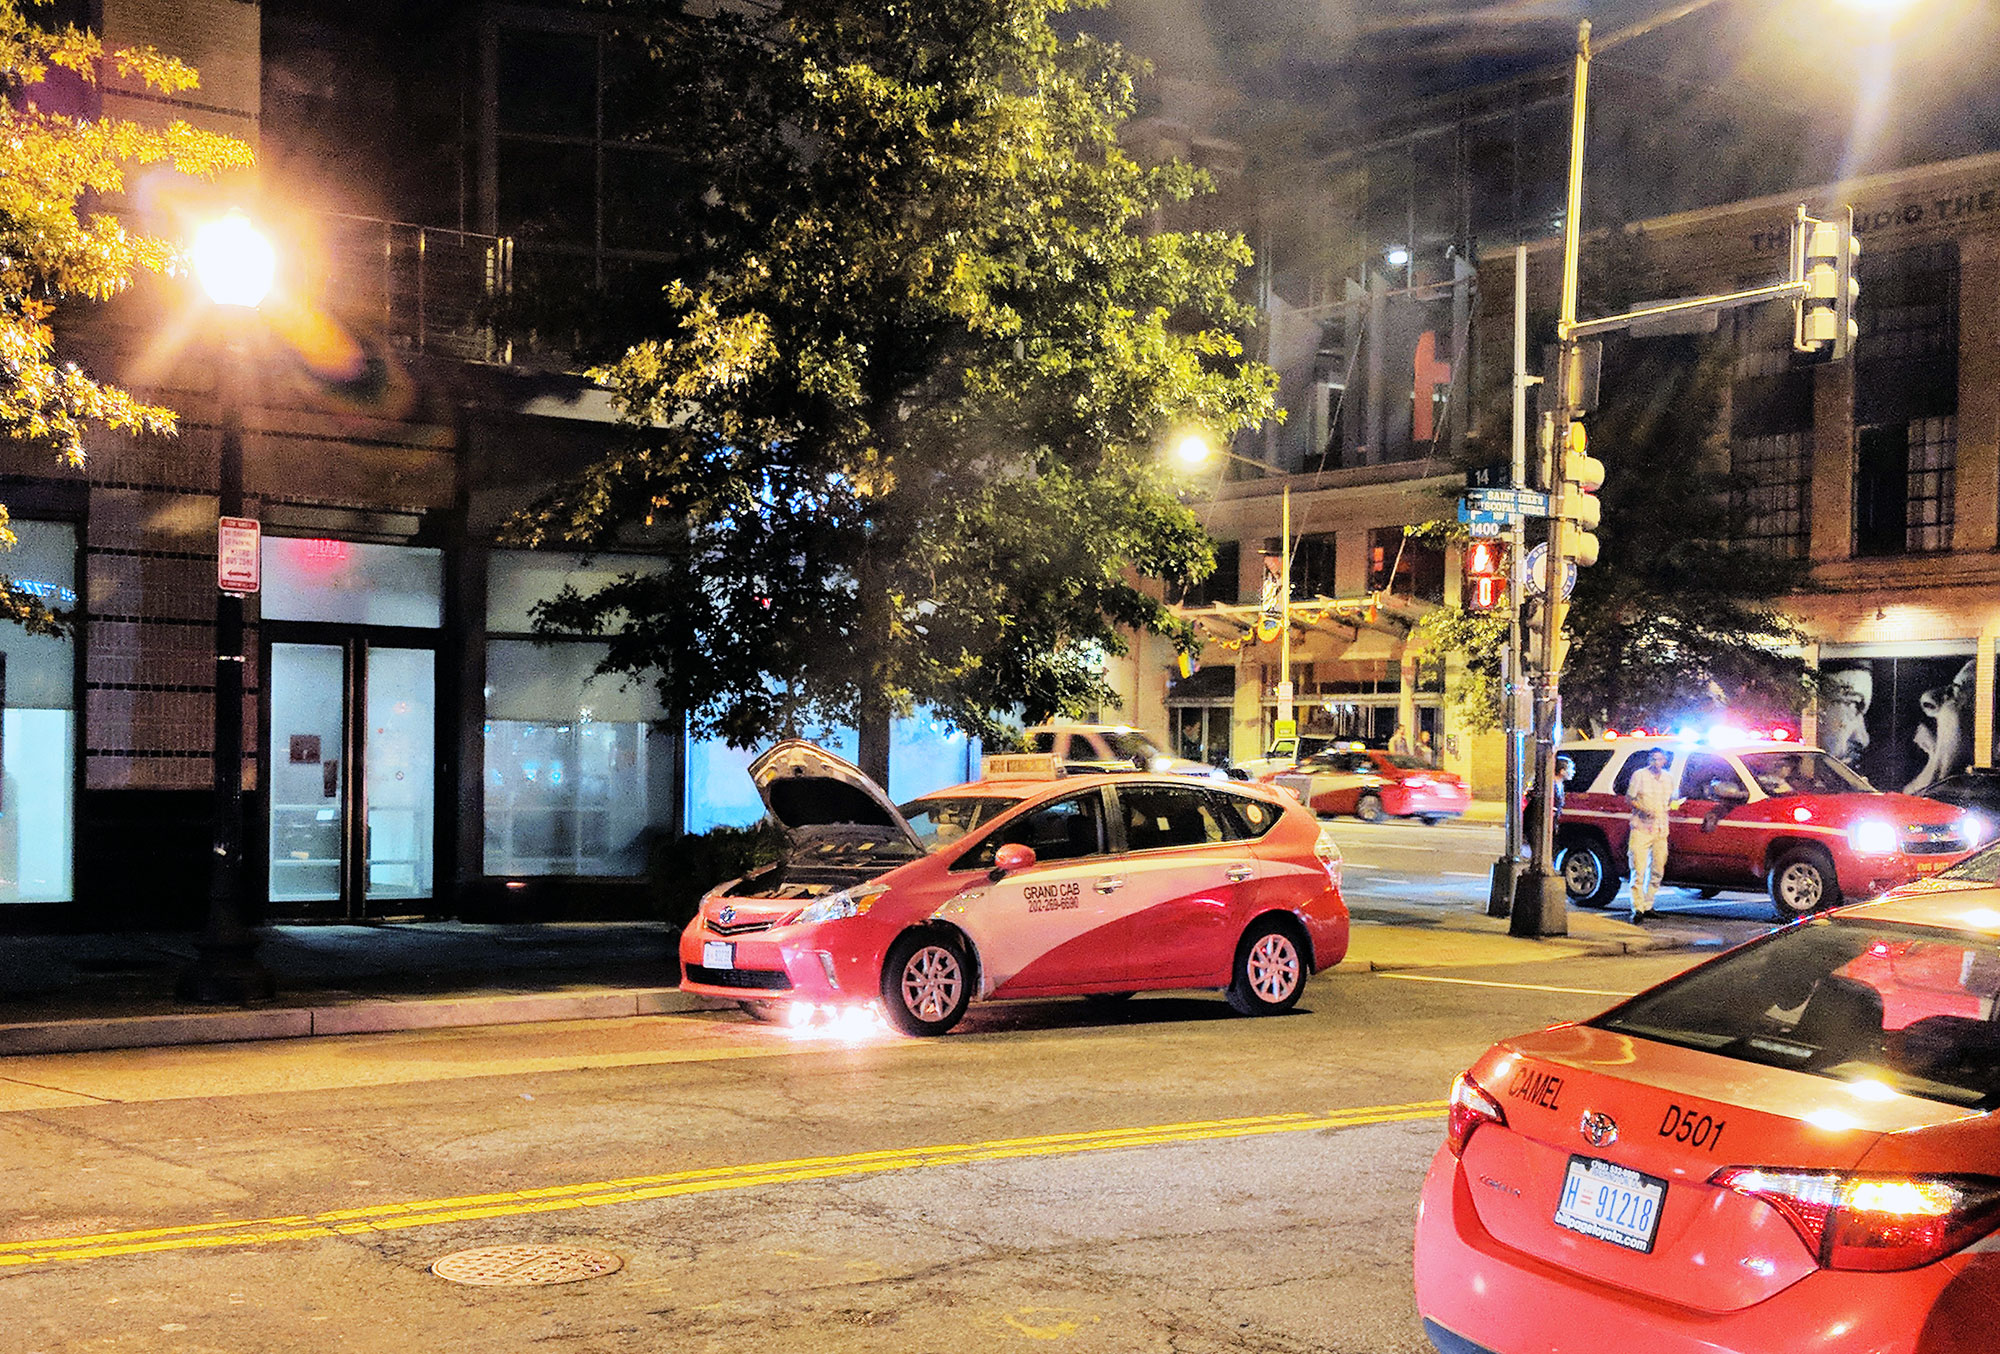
{"x":51,"y":252}
{"x":897,"y":418}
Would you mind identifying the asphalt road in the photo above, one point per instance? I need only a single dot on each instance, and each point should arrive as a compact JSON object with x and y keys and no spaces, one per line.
{"x":1400,"y":871}
{"x":1162,"y":1177}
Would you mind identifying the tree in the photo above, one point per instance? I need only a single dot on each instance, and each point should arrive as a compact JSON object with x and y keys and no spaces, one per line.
{"x":52,"y":253}
{"x":900,"y":428}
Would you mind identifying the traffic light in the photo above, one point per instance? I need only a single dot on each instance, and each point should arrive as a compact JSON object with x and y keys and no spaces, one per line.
{"x":1485,"y":575}
{"x":1576,"y":497}
{"x":1826,"y":259}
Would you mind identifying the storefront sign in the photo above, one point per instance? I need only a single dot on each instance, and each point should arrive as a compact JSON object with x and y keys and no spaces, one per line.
{"x":238,"y":554}
{"x":1959,"y":205}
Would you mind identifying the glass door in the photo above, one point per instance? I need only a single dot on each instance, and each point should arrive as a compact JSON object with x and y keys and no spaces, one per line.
{"x":353,"y":776}
{"x":399,"y":784}
{"x":307,"y":757}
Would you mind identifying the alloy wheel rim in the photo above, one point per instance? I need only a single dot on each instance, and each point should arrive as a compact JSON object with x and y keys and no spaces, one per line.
{"x":1581,"y":872}
{"x":932,"y":981}
{"x":1273,"y":967}
{"x":1800,"y":887}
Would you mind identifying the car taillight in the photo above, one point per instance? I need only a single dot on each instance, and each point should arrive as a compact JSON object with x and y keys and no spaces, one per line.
{"x":1329,"y":856}
{"x":1470,"y":1107}
{"x":1873,"y":1222}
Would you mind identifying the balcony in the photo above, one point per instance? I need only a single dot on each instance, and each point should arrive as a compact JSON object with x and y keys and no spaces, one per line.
{"x":432,"y":291}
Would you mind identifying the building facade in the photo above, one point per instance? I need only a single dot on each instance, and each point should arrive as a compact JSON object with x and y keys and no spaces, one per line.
{"x":412,"y":745}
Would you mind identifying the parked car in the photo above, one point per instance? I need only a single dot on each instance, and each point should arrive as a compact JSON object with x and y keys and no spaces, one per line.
{"x":1111,"y":747}
{"x":1286,"y":753}
{"x":1789,"y":1147}
{"x":1373,"y":785}
{"x":1761,"y":813}
{"x":1037,"y":884}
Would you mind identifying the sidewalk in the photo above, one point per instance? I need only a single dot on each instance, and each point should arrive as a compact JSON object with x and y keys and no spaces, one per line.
{"x":66,"y":993}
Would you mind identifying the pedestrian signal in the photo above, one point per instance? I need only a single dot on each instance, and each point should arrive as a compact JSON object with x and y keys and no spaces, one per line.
{"x":1485,"y":575}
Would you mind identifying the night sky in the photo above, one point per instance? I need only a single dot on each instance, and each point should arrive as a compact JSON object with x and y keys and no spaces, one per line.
{"x":1923,"y":87}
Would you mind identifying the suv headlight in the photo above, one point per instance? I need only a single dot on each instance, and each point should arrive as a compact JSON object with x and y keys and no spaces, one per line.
{"x":1873,"y":837}
{"x":852,"y":902}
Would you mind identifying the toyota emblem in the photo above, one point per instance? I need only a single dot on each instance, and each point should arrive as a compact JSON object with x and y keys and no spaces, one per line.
{"x":728,"y":915}
{"x":1599,"y":1130}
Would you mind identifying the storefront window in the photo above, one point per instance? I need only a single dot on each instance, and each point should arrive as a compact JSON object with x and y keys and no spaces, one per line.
{"x":576,"y":769}
{"x":38,"y":725}
{"x":351,"y":583}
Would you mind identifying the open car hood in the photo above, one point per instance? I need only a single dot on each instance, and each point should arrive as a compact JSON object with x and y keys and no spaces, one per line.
{"x":806,"y":787}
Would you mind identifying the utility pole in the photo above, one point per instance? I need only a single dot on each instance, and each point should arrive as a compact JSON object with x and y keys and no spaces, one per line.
{"x":1513,"y":665}
{"x":1541,"y":907}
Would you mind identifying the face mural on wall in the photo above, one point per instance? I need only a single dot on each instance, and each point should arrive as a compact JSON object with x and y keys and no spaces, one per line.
{"x":1904,"y":723}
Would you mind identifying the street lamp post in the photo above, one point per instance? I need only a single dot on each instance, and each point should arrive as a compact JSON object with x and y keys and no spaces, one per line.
{"x":235,"y":266}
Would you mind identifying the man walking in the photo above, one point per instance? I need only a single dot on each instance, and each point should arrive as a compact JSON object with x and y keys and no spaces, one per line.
{"x":1650,"y":792}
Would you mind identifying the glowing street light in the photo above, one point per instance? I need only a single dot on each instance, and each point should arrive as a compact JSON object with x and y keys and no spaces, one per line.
{"x":235,"y":265}
{"x":233,"y":261}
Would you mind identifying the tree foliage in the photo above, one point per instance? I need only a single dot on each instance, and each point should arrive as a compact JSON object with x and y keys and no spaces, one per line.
{"x":923,"y":338}
{"x":53,"y":252}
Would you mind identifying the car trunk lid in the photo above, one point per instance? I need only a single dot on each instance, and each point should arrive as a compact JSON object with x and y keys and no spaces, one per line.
{"x":1663,"y":1119}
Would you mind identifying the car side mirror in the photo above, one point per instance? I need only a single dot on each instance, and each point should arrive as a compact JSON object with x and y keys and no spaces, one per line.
{"x":1009,"y":858}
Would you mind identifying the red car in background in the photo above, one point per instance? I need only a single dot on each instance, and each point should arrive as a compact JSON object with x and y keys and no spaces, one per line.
{"x":1372,"y":785}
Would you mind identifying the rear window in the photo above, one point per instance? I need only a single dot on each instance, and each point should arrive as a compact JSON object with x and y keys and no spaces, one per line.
{"x":1907,"y":1006}
{"x":1981,"y":867}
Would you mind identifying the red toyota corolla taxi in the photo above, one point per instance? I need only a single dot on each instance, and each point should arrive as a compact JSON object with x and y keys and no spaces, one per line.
{"x":1790,"y":1147}
{"x":1373,"y":785}
{"x":1035,"y":886}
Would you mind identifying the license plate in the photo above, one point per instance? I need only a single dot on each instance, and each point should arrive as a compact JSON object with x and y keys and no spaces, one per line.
{"x":1932,"y":866}
{"x":1611,"y":1203}
{"x":718,"y":954}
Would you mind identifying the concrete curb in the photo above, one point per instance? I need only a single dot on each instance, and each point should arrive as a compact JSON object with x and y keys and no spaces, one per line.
{"x":361,"y":1017}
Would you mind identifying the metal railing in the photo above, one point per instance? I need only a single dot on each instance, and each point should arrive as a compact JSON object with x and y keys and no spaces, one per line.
{"x":435,"y":291}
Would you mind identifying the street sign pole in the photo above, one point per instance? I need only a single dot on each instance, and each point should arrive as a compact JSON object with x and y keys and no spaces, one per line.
{"x":1541,"y":905}
{"x":1513,"y":675}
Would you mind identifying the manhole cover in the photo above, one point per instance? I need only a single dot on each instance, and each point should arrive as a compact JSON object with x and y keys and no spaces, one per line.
{"x":513,"y":1266}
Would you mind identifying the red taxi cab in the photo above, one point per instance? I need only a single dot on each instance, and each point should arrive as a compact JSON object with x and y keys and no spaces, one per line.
{"x":1028,"y":883}
{"x":1790,"y":1147}
{"x":1763,"y":813}
{"x":1372,"y":785}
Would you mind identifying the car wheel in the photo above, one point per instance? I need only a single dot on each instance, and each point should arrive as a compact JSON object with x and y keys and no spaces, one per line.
{"x":766,"y":1011}
{"x":1270,"y":969}
{"x":1588,"y":876}
{"x":1706,"y":893}
{"x":926,"y":984}
{"x":1369,"y":808}
{"x":1802,"y":882}
{"x":1430,"y":819}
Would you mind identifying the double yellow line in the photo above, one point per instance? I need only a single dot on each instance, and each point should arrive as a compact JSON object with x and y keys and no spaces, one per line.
{"x":392,"y":1217}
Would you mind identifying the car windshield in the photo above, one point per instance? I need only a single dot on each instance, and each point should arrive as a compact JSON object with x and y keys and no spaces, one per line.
{"x":940,"y":820}
{"x":1132,"y":743}
{"x":1803,"y":773}
{"x":1981,"y":867}
{"x":1849,"y":999}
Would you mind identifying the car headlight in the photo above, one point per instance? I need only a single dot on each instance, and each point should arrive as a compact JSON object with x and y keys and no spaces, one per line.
{"x":852,"y":902}
{"x":1975,"y":829}
{"x":1873,"y":837}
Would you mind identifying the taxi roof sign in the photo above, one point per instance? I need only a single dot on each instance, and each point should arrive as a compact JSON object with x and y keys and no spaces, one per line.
{"x":1020,"y":766}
